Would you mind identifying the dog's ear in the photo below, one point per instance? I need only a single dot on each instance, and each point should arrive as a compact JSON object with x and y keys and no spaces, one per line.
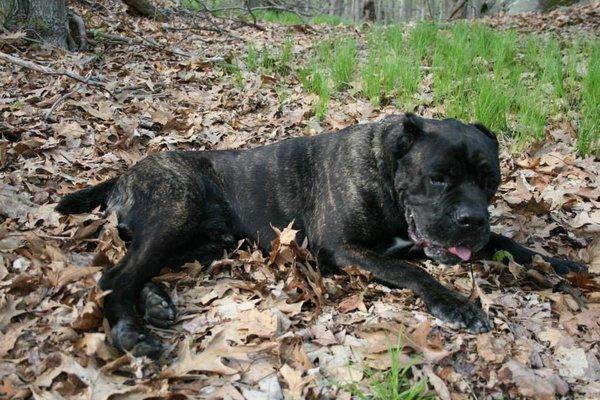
{"x":400,"y":132}
{"x":486,"y":131}
{"x":412,"y":126}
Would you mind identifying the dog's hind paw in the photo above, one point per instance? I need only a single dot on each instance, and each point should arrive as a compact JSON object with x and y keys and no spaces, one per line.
{"x":156,"y":306}
{"x":130,"y":336}
{"x":459,"y":313}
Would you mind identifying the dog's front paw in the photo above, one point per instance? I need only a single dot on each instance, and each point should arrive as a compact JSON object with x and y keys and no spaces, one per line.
{"x":134,"y":338}
{"x":458,"y":312}
{"x":565,"y":266}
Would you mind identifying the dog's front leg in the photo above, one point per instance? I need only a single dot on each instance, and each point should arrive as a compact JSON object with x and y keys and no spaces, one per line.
{"x":523,"y":255}
{"x":441,"y":302}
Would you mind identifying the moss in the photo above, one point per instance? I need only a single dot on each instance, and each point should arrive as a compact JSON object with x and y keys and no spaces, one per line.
{"x":38,"y":25}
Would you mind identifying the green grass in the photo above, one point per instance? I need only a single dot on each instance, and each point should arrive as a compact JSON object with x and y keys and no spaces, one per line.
{"x":589,"y":130}
{"x":519,"y":85}
{"x":270,"y":60}
{"x":393,"y":384}
{"x":325,"y":19}
{"x":288,"y":18}
{"x":343,"y":62}
{"x":314,"y":80}
{"x":491,"y":103}
{"x":279,"y":17}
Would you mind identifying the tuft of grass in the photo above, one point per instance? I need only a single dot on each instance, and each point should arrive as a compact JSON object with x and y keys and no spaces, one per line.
{"x":552,"y":67}
{"x":589,"y":131}
{"x":315,"y":81}
{"x":422,"y":40}
{"x":371,"y":81}
{"x":491,"y":104}
{"x":279,"y":17}
{"x":278,"y":61}
{"x":343,"y":63}
{"x":251,"y":58}
{"x":390,"y":70}
{"x":326,"y":19}
{"x":532,"y":115}
{"x":393,"y":384}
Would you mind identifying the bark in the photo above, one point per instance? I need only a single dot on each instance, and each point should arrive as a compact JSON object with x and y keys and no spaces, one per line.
{"x":459,"y":10}
{"x":46,"y":21}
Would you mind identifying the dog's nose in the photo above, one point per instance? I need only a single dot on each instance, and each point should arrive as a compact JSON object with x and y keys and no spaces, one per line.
{"x":470,"y":217}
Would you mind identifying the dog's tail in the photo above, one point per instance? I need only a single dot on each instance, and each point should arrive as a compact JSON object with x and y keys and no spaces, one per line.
{"x":85,"y":200}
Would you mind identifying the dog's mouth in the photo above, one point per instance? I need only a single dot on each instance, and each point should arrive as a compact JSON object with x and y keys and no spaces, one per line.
{"x":435,"y":250}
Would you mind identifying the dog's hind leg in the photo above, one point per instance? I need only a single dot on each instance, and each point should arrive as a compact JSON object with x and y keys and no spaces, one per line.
{"x":156,"y":306}
{"x":145,"y":258}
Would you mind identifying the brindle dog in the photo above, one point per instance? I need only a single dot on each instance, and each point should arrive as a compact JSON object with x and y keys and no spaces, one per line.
{"x":368,"y":195}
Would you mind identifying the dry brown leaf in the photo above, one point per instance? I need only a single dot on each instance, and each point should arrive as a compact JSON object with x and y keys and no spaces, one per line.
{"x":295,"y":382}
{"x":211,"y":358}
{"x":8,"y":340}
{"x":352,"y":303}
{"x":539,"y":384}
{"x":8,"y":310}
{"x":491,"y":349}
{"x":64,"y":276}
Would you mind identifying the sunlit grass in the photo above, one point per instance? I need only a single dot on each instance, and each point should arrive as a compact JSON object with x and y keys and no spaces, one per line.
{"x":325,"y":19}
{"x":393,"y":384}
{"x":279,"y":17}
{"x":519,"y":85}
{"x":491,"y":104}
{"x":589,"y":131}
{"x":343,"y":63}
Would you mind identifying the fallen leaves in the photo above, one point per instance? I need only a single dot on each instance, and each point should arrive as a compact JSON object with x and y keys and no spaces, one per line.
{"x":256,"y":325}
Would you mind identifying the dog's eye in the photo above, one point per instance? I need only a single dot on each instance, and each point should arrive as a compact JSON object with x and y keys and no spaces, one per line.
{"x":438,"y":180}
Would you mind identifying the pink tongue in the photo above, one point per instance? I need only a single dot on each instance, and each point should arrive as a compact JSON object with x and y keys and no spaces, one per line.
{"x":462,"y":252}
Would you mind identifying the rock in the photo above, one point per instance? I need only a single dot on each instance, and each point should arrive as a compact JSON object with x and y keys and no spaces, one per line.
{"x":522,"y":6}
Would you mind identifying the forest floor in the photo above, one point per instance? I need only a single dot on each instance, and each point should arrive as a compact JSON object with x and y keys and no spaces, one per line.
{"x":258,"y":326}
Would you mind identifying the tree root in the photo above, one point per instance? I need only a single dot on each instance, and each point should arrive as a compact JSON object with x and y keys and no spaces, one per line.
{"x":77,"y":38}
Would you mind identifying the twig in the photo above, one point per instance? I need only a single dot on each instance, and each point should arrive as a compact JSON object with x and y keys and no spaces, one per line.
{"x":152,"y":43}
{"x":49,"y":71}
{"x":58,"y":102}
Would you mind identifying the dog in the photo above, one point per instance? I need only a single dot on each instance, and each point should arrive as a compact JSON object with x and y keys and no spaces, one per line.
{"x":370,"y":195}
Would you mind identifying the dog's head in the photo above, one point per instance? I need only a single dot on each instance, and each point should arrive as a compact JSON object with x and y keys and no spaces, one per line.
{"x":446,"y":172}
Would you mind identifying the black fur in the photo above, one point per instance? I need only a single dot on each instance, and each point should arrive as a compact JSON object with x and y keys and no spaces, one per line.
{"x":87,"y":199}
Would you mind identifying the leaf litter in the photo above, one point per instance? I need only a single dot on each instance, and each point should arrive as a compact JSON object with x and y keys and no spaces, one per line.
{"x":253,"y":325}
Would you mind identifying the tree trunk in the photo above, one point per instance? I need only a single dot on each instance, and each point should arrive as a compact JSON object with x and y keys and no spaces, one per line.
{"x":47,"y":21}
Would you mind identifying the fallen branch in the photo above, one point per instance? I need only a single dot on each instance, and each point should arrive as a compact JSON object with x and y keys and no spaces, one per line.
{"x":250,"y":10}
{"x":156,"y":45}
{"x":139,"y":39}
{"x":58,"y":102}
{"x":49,"y":71}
